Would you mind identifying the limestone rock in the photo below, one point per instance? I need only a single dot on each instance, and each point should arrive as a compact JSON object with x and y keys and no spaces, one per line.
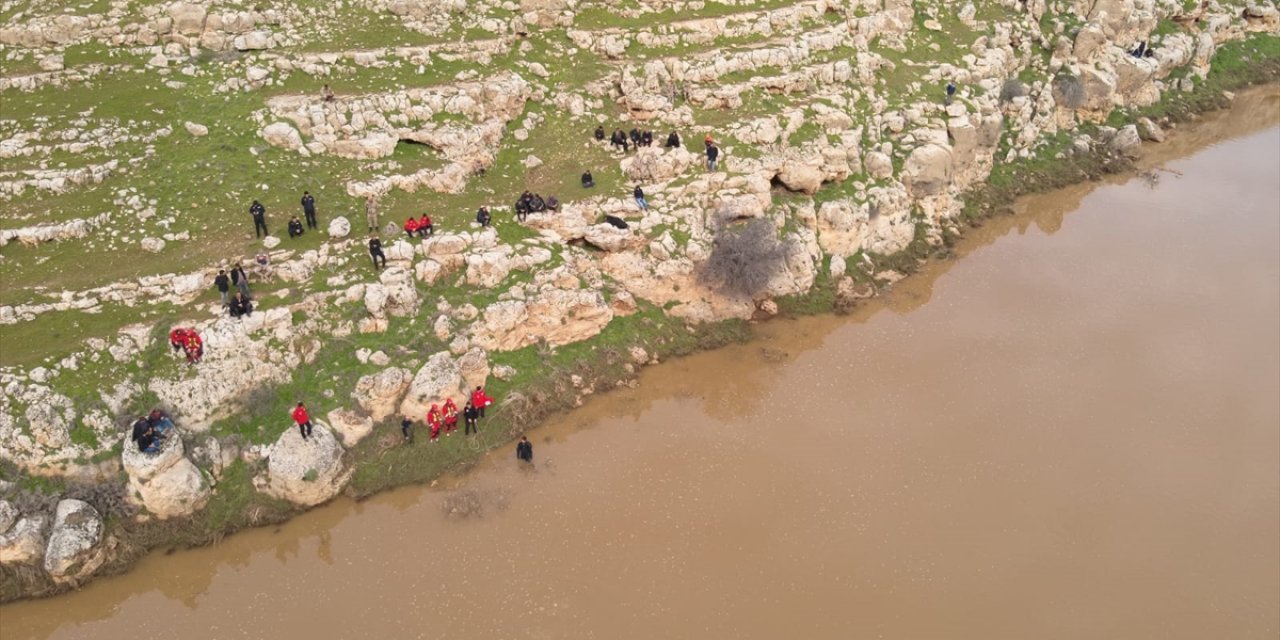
{"x":607,"y":237}
{"x":152,"y":245}
{"x":271,"y":242}
{"x":380,"y":393}
{"x":282,"y":134}
{"x":878,"y":165}
{"x":800,"y":177}
{"x":339,"y":227}
{"x":928,"y":170}
{"x":438,"y":379}
{"x":306,"y":472}
{"x":196,"y":130}
{"x":167,"y":483}
{"x":351,"y":427}
{"x":75,"y":546}
{"x":1150,"y":131}
{"x":1127,"y":142}
{"x":23,"y":541}
{"x":558,"y":316}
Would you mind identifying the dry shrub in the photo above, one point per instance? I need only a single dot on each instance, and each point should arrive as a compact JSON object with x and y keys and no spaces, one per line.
{"x":744,"y":258}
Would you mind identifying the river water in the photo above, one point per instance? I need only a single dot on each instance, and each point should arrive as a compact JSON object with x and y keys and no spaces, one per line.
{"x":1073,"y":431}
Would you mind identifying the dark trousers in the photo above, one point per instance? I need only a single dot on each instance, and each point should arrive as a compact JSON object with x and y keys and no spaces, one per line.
{"x":471,"y":427}
{"x":305,"y":428}
{"x":311,"y":220}
{"x":407,"y":430}
{"x":376,"y":255}
{"x":481,"y":410}
{"x":260,"y":224}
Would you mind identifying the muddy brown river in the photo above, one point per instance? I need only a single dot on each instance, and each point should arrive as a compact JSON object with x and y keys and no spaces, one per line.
{"x":1071,"y":431}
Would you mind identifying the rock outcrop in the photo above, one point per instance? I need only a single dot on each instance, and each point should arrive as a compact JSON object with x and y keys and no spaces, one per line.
{"x":306,"y":472}
{"x":166,"y":483}
{"x":75,"y":548}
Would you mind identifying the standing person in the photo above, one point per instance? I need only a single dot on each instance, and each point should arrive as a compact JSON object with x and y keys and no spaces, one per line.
{"x":411,"y":227}
{"x":371,"y":212}
{"x":223,"y":283}
{"x":425,"y":228}
{"x":639,"y":195}
{"x":951,"y":91}
{"x":301,"y":417}
{"x":483,"y":217}
{"x":259,"y":214}
{"x":433,"y":421}
{"x":194,"y":347}
{"x":406,"y":428}
{"x":470,"y":414}
{"x":480,"y":399}
{"x":240,"y":279}
{"x":309,"y":209}
{"x":713,"y":154}
{"x":295,"y":227}
{"x":450,"y":416}
{"x":524,"y":450}
{"x":375,"y":252}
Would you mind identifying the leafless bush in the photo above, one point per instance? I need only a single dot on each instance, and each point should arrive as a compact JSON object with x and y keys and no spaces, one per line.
{"x":744,"y":258}
{"x":109,"y":498}
{"x":1012,"y":88}
{"x":1068,"y":90}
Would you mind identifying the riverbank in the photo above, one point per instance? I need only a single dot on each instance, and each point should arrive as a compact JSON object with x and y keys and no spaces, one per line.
{"x":551,"y":380}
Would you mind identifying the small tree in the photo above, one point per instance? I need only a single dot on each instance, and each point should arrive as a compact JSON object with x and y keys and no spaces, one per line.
{"x":744,"y":258}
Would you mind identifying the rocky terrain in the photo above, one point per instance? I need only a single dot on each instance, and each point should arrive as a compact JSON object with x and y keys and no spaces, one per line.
{"x":134,"y":134}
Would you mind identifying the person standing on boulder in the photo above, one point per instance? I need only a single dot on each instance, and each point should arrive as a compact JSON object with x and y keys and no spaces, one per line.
{"x":371,"y":212}
{"x":301,"y":417}
{"x":375,"y":252}
{"x":309,"y":209}
{"x":524,"y":450}
{"x":223,"y":283}
{"x":470,"y":414}
{"x":259,"y":214}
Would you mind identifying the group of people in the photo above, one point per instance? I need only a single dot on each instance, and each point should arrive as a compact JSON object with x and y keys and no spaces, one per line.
{"x":634,"y":138}
{"x":259,"y":214}
{"x":419,"y":227}
{"x":187,"y":341}
{"x":151,"y":430}
{"x":533,"y":203}
{"x":241,"y":304}
{"x":445,"y":418}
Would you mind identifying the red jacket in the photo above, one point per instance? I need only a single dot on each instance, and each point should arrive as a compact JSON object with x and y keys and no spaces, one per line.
{"x":424,"y":221}
{"x":433,"y":417}
{"x":300,"y":415}
{"x":480,"y":399}
{"x":178,"y":336}
{"x":450,"y":411}
{"x":193,"y":340}
{"x":411,"y":225}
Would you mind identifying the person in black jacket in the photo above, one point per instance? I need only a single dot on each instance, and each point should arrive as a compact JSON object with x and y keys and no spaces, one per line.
{"x":375,"y":252}
{"x":240,"y":306}
{"x":223,"y":283}
{"x":524,"y":450}
{"x":483,"y":217}
{"x":673,"y":140}
{"x":259,"y":214}
{"x":406,"y":427}
{"x":599,"y":134}
{"x":295,"y":227}
{"x":587,"y":180}
{"x":470,"y":415}
{"x":640,"y":201}
{"x":309,"y":209}
{"x":713,"y":153}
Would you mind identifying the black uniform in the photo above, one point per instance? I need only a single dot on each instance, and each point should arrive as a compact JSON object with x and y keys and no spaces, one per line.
{"x":309,"y":209}
{"x":406,"y":427}
{"x":375,"y":252}
{"x":295,"y":228}
{"x":470,"y":414}
{"x":588,"y":181}
{"x":673,"y":140}
{"x":599,"y":133}
{"x":524,"y":450}
{"x":482,"y":216}
{"x":259,"y":214}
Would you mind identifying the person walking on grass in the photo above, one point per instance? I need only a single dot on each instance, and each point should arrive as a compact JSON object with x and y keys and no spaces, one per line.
{"x":309,"y":209}
{"x":524,"y":450}
{"x":259,"y":214}
{"x":301,"y":417}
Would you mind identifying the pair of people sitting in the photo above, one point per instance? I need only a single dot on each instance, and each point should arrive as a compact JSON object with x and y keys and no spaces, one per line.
{"x":421,"y":227}
{"x":534,"y":203}
{"x":240,"y":306}
{"x":151,"y":430}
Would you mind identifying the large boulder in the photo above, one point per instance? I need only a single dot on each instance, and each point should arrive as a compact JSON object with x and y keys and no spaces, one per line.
{"x":1127,"y":142}
{"x":282,"y":134}
{"x":797,"y":176}
{"x":488,"y":269}
{"x":166,"y":483}
{"x":351,"y":426}
{"x":188,"y":19}
{"x":23,"y":540}
{"x":557,"y":316}
{"x":339,"y":227}
{"x":380,"y":393}
{"x":306,"y":472}
{"x":75,"y":547}
{"x":438,"y":379}
{"x":607,"y":237}
{"x":928,"y":170}
{"x":654,"y":164}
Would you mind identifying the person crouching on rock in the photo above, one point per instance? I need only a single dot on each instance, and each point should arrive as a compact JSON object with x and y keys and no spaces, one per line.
{"x":425,"y":228}
{"x":301,"y":417}
{"x":240,"y":306}
{"x":411,"y":227}
{"x":144,"y":436}
{"x":450,"y":416}
{"x":433,"y":421}
{"x":470,"y":413}
{"x":194,"y":347}
{"x":178,"y":339}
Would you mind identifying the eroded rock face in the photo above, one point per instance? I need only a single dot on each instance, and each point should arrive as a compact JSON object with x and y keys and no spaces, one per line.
{"x":166,"y":483}
{"x":75,"y":545}
{"x":23,"y":541}
{"x":351,"y":426}
{"x":439,"y":379}
{"x":379,"y":394}
{"x":558,"y":316}
{"x":306,"y":472}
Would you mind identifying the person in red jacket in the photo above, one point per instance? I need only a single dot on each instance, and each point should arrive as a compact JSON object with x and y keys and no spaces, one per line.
{"x":433,"y":421}
{"x":411,"y":227}
{"x":304,"y":421}
{"x":480,"y":400}
{"x":425,"y":228}
{"x":178,"y":339}
{"x":194,"y":347}
{"x":450,"y":416}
